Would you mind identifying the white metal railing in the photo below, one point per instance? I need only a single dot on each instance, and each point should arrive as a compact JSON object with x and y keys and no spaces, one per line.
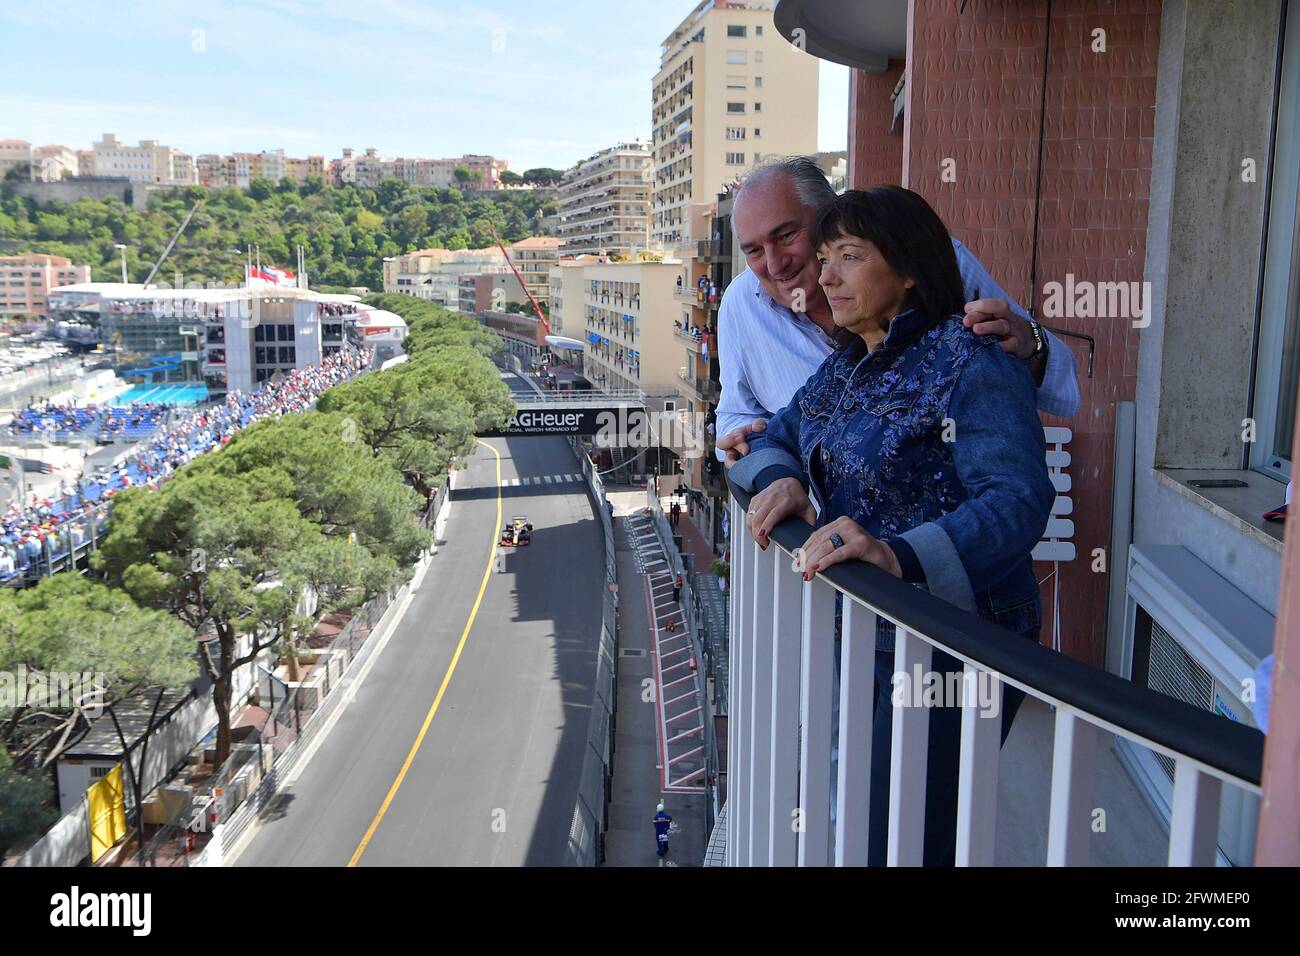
{"x":780,"y":722}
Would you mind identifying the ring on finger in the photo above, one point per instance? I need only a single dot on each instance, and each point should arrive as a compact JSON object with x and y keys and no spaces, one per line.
{"x":837,"y":541}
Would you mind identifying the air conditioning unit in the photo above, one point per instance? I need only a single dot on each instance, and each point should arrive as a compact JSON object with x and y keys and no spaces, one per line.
{"x":1191,"y":635}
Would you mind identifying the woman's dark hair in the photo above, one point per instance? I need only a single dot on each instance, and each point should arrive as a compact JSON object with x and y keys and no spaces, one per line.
{"x":910,"y":236}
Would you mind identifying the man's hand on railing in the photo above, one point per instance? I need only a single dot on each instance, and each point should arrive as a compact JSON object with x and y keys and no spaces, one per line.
{"x":843,"y":540}
{"x":736,"y":442}
{"x":783,"y":498}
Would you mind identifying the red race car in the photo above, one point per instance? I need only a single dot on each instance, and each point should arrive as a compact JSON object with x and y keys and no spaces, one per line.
{"x":518,"y":533}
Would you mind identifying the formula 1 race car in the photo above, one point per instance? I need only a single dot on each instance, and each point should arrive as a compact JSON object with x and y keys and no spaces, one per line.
{"x":518,"y":533}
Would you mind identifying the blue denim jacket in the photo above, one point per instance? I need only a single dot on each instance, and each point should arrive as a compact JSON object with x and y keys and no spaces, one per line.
{"x":866,"y":434}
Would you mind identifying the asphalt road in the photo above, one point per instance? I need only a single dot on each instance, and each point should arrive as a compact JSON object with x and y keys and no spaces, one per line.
{"x":495,"y":778}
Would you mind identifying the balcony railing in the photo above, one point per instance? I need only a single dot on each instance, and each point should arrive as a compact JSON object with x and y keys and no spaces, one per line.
{"x":692,"y":342}
{"x":703,"y":389}
{"x":780,"y":722}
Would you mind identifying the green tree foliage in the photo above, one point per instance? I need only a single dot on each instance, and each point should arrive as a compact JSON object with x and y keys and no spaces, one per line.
{"x":229,"y":556}
{"x":346,"y":232}
{"x":431,"y":326}
{"x":25,"y":805}
{"x":335,"y":482}
{"x":72,"y":625}
{"x":418,"y":415}
{"x":543,"y":176}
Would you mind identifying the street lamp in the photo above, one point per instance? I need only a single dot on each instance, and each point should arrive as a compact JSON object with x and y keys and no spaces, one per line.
{"x":122,"y":246}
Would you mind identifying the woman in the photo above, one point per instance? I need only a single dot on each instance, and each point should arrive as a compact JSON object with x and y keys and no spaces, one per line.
{"x":921,"y":445}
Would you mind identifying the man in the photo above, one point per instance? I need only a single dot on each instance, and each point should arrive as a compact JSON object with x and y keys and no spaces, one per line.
{"x":775,"y":326}
{"x":662,"y":823}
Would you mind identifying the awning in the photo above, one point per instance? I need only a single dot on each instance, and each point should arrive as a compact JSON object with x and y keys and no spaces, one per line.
{"x":563,"y":343}
{"x":865,"y":34}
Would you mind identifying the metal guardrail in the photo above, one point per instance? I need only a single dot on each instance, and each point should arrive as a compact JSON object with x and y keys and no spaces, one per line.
{"x":702,"y":646}
{"x":780,"y":731}
{"x":590,"y":820}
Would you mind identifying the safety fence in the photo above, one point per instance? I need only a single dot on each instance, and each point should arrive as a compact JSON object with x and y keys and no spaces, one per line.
{"x":591,"y":811}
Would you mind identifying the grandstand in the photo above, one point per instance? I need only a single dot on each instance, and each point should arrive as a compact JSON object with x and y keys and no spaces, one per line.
{"x":54,"y":532}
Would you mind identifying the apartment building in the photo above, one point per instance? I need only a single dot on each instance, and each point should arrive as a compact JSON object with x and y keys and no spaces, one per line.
{"x":55,"y":162}
{"x":434,"y":274}
{"x":370,"y":169}
{"x":628,"y":335}
{"x":605,"y":203}
{"x":534,"y":258}
{"x":566,"y":295}
{"x":213,"y":170}
{"x":299,"y":169}
{"x":148,"y":162}
{"x":730,"y":91}
{"x":487,"y":168}
{"x":489,"y":291}
{"x":26,"y":281}
{"x":15,"y":154}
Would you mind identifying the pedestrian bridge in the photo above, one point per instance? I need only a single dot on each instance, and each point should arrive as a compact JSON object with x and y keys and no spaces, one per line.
{"x":621,"y":413}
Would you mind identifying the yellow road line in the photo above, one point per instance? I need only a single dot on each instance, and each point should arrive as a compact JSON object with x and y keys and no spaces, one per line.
{"x":446,"y":678}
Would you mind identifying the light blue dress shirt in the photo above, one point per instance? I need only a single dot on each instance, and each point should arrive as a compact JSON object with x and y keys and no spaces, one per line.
{"x":766,"y":352}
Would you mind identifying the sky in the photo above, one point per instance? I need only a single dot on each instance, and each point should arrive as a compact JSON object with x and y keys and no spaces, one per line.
{"x":534,"y":83}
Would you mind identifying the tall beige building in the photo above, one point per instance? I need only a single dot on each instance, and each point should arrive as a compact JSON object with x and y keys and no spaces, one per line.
{"x":149,"y":162}
{"x":605,"y":203}
{"x":730,"y":91}
{"x":628,"y":309}
{"x":534,"y":257}
{"x":567,"y":295}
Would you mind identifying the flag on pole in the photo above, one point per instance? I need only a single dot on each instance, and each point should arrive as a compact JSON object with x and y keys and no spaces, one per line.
{"x":269,"y":275}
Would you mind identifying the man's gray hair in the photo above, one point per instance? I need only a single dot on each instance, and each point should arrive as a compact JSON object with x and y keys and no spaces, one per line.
{"x":810,"y":184}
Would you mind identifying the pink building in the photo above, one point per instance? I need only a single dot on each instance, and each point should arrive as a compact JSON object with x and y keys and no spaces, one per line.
{"x":25,"y":281}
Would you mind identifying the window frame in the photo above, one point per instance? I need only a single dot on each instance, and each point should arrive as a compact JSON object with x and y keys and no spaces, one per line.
{"x":1278,"y":317}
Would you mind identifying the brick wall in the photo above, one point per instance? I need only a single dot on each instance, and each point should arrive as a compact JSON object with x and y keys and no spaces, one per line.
{"x":975,"y":86}
{"x":875,"y":154}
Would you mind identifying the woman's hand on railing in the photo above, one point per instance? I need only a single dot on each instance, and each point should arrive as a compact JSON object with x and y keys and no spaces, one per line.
{"x":820,"y":551}
{"x":782,"y":499}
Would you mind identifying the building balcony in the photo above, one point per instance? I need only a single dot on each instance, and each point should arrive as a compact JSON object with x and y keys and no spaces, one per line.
{"x":692,"y":342}
{"x":709,"y":250}
{"x":701,"y":389}
{"x":1031,"y":801}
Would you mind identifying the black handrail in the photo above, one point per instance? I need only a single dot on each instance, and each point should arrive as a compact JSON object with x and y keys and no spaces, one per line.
{"x":1226,"y":745}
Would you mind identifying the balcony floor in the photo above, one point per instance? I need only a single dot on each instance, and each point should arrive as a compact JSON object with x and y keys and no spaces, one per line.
{"x":1133,"y":836}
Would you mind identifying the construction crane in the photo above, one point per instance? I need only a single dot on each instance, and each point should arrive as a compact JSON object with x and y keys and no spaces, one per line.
{"x":536,"y":308}
{"x":180,"y":229}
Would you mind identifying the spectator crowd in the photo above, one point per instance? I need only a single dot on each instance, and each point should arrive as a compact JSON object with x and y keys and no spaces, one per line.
{"x":59,"y":524}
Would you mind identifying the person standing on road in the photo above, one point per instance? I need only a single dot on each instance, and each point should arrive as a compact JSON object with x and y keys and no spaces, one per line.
{"x":677,"y":589}
{"x":662,"y":822}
